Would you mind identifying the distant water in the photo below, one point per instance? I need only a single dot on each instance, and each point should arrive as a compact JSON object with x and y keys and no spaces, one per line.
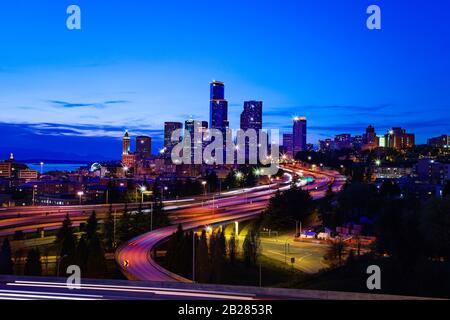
{"x":56,"y":166}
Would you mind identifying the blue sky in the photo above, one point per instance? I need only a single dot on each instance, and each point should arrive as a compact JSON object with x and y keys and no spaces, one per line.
{"x":135,"y":64}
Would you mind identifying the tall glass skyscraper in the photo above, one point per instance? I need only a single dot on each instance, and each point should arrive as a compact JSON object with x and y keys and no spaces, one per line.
{"x":169,"y":128}
{"x":251,"y":117}
{"x":299,"y":135}
{"x":218,"y":107}
{"x":200,"y":127}
{"x":143,"y":147}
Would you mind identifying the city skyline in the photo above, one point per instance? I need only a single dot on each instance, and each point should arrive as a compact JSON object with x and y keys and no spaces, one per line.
{"x":61,"y":94}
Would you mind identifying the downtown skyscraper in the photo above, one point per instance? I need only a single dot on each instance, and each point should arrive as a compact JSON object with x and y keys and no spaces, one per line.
{"x":143,"y":147}
{"x":299,"y":135}
{"x":251,"y":117}
{"x":218,"y":107}
{"x":169,"y":129}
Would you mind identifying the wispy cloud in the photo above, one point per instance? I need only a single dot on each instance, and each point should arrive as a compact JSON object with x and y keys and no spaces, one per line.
{"x":71,"y":105}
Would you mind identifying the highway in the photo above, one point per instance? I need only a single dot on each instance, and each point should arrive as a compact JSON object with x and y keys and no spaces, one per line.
{"x":136,"y":260}
{"x":39,"y":288}
{"x":55,"y":289}
{"x":192,"y":213}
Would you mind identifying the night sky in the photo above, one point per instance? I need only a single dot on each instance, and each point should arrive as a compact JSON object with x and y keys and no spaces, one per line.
{"x":135,"y":64}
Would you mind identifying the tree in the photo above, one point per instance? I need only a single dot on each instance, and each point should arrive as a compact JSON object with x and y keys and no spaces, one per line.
{"x":212,"y":180}
{"x":91,"y":252}
{"x":66,"y":243}
{"x":91,"y":226}
{"x":173,"y":256}
{"x":230,"y":180}
{"x":33,"y":265}
{"x":125,"y":226}
{"x":293,"y":204}
{"x":251,"y":248}
{"x":335,"y":252}
{"x":232,"y":249}
{"x":250,"y":179}
{"x":218,"y":257}
{"x":6,"y":263}
{"x":82,"y":253}
{"x":108,"y":230}
{"x":95,"y":263}
{"x":202,"y":263}
{"x":160,"y":218}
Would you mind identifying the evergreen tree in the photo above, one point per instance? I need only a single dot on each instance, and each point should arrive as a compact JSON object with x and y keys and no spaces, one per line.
{"x":218,"y":257}
{"x":250,"y":179}
{"x":33,"y":266}
{"x":91,"y":226}
{"x":92,"y":252}
{"x":95,"y":262}
{"x":232,"y":249}
{"x":125,"y":226}
{"x":251,"y":248}
{"x":66,"y":243}
{"x":202,"y":264}
{"x":230,"y":180}
{"x":174,"y":258}
{"x":108,"y":230}
{"x":186,"y":255}
{"x":82,"y":253}
{"x":6,"y":263}
{"x":160,"y":218}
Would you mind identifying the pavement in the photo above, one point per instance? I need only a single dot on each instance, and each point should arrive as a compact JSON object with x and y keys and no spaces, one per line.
{"x":39,"y":288}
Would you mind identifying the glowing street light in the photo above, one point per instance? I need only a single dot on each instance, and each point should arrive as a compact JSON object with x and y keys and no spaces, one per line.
{"x":378,"y":162}
{"x":204,"y":183}
{"x":143,"y":190}
{"x":80,"y":194}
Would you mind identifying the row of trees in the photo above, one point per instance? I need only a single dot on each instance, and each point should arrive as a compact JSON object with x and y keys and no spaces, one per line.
{"x":212,"y":254}
{"x":32,"y":267}
{"x":87,"y":252}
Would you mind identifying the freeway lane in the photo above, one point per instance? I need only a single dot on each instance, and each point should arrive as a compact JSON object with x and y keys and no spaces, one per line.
{"x":54,"y":289}
{"x":135,"y":257}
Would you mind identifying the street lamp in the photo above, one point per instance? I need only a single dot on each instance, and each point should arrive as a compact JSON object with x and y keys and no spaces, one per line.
{"x":164,"y":189}
{"x":204,"y":183}
{"x":143,"y":189}
{"x":34,"y":194}
{"x":80,"y":194}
